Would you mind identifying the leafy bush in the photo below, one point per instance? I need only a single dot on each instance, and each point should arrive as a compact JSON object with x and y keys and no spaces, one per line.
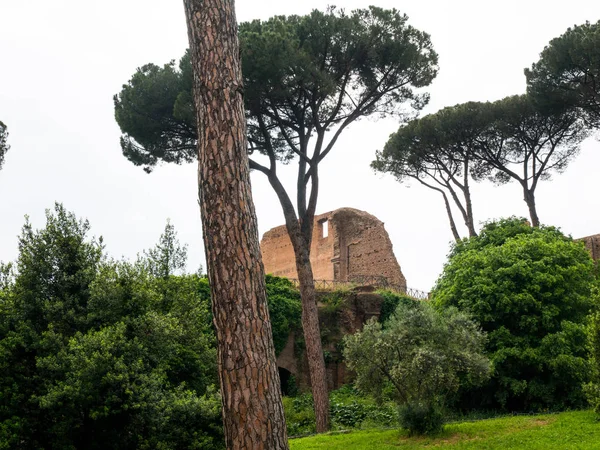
{"x":99,"y":354}
{"x":422,"y":419}
{"x":299,"y":414}
{"x":530,"y":289}
{"x":420,"y":356}
{"x":285,"y":309}
{"x":592,"y":389}
{"x":391,"y":300}
{"x":349,"y":409}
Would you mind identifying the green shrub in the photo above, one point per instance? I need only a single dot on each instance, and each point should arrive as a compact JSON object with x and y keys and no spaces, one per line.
{"x":100,"y":354}
{"x":349,"y":409}
{"x":592,"y":389}
{"x":299,"y":414}
{"x":530,"y":289}
{"x":285,"y":309}
{"x":417,"y":359}
{"x":390,"y":302}
{"x":422,"y":419}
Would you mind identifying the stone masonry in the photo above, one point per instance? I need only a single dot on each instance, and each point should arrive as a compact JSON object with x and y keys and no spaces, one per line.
{"x":592,"y":243}
{"x":347,"y":245}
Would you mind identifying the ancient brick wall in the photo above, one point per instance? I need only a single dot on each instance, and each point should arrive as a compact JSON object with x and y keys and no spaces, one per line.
{"x":278,"y":253}
{"x":358,"y":306}
{"x":364,"y":247}
{"x":592,"y":243}
{"x":346,"y":243}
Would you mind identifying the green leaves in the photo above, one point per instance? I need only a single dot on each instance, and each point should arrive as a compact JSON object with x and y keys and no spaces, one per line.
{"x":420,"y":357}
{"x":568,"y":72}
{"x":155,"y":112}
{"x":285,"y":309}
{"x":4,"y":147}
{"x":102,"y":354}
{"x":530,"y":289}
{"x":168,"y":256}
{"x":303,"y":75}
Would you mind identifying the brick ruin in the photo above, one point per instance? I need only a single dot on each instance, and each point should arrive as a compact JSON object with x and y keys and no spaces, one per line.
{"x":347,"y":245}
{"x":592,"y":243}
{"x":359,"y":305}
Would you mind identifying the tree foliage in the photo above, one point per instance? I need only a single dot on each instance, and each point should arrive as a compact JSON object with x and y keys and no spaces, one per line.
{"x":4,"y":147}
{"x":592,"y":389}
{"x":168,"y":256}
{"x":155,"y":111}
{"x":568,"y":72}
{"x":420,"y":357}
{"x":530,"y":289}
{"x":440,"y":152}
{"x":527,"y":144}
{"x":285,"y":309}
{"x":303,"y":75}
{"x":102,"y":354}
{"x":510,"y":139}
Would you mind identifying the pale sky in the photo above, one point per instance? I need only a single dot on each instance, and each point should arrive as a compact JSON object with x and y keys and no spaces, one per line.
{"x":61,"y":62}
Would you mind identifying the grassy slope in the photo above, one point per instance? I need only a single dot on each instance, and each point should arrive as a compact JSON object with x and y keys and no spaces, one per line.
{"x":573,"y":430}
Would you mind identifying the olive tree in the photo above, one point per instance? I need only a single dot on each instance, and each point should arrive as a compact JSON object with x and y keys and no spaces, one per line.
{"x":419,"y":356}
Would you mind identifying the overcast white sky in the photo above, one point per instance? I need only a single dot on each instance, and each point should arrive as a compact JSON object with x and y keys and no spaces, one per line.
{"x":62,"y":61}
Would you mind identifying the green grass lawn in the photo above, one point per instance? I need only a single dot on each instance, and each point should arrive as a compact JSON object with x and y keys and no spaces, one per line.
{"x":572,"y":430}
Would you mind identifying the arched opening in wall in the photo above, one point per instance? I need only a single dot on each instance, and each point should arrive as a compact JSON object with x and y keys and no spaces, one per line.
{"x":288,"y":382}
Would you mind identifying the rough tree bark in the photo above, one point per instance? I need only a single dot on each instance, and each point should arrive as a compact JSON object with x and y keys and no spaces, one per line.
{"x":312,"y":333}
{"x":300,"y":233}
{"x":529,"y":197}
{"x":250,"y":388}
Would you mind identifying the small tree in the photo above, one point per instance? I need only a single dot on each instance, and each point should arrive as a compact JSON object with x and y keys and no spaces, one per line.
{"x":420,"y":357}
{"x":530,"y":289}
{"x":4,"y":147}
{"x":568,"y":72}
{"x":168,"y":256}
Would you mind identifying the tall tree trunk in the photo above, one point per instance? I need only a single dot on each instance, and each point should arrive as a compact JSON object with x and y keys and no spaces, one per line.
{"x":450,"y":217}
{"x":312,"y":336}
{"x":529,"y":197}
{"x":469,"y":204}
{"x":250,"y":388}
{"x":310,"y":315}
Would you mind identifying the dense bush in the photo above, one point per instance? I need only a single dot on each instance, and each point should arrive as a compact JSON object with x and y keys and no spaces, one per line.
{"x":530,"y":289}
{"x":99,"y":354}
{"x":418,"y":358}
{"x":349,"y":409}
{"x":592,"y":389}
{"x":390,"y":302}
{"x":285,"y":309}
